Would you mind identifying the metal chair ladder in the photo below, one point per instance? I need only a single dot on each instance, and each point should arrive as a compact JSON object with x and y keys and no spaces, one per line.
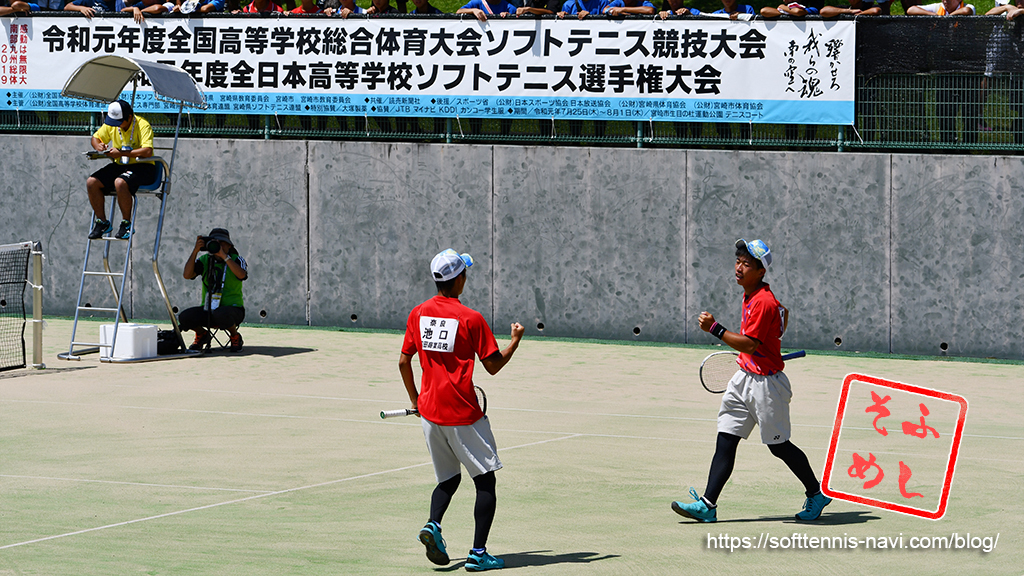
{"x":118,"y":280}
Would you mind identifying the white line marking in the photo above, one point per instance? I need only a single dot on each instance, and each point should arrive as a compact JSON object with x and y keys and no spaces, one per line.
{"x":490,"y":409}
{"x":133,"y":483}
{"x":255,"y":497}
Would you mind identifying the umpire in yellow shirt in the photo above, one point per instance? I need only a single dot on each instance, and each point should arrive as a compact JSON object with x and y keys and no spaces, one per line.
{"x":125,"y":138}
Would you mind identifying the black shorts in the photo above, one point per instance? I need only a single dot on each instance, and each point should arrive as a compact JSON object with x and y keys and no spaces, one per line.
{"x":134,"y":175}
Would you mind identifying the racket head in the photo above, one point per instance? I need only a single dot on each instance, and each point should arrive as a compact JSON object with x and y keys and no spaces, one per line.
{"x":716,"y":370}
{"x":481,"y":398}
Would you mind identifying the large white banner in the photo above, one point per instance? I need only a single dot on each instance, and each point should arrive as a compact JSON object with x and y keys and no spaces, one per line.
{"x":663,"y":70}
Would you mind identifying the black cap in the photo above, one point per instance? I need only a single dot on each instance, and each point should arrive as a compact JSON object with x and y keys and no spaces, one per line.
{"x":221,"y":234}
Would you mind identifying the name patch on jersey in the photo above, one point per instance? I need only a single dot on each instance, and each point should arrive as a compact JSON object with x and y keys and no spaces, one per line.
{"x":438,"y":334}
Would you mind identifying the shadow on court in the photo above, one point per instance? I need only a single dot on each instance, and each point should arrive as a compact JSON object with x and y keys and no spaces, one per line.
{"x":539,"y":558}
{"x":34,"y":372}
{"x":826,"y":519}
{"x":271,"y":351}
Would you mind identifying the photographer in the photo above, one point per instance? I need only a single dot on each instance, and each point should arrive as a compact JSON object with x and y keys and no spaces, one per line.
{"x":223,"y":271}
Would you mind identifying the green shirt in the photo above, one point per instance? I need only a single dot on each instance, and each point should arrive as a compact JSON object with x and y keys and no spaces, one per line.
{"x":221,"y":279}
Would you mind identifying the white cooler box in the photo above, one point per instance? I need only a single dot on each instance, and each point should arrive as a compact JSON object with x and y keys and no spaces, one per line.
{"x":134,"y":341}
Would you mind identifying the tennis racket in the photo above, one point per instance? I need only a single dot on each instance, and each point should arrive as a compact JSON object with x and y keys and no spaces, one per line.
{"x":718,"y":368}
{"x":481,"y":400}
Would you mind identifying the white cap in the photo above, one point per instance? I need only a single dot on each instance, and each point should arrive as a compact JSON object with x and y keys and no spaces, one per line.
{"x":449,"y":264}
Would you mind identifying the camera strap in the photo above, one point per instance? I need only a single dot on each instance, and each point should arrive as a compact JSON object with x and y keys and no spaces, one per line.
{"x":215,"y":287}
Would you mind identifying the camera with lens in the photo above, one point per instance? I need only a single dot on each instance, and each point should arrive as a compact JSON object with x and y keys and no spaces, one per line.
{"x":211,"y":245}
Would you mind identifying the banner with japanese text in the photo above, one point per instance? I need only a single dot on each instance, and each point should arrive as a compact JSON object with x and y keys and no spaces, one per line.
{"x":662,"y":70}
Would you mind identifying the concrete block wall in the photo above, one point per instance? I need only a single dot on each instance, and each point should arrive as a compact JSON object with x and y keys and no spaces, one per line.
{"x":902,"y":253}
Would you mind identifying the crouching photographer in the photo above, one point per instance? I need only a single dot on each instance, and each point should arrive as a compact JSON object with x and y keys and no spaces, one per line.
{"x":222,"y":271}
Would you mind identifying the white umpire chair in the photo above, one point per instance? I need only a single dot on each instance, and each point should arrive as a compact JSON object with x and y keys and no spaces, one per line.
{"x":102,"y":80}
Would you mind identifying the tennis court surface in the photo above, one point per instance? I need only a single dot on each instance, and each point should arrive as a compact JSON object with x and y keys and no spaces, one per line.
{"x":275,"y":461}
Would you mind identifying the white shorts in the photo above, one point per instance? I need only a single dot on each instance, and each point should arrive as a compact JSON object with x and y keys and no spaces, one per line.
{"x":754,"y":399}
{"x":473,"y":446}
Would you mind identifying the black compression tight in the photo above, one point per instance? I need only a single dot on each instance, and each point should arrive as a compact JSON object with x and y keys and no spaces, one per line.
{"x":483,"y":512}
{"x":442,"y":497}
{"x":797,"y":462}
{"x":725,"y":458}
{"x":721,"y":465}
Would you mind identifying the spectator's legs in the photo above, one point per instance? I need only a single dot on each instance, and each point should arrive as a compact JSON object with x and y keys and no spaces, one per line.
{"x":1016,"y":97}
{"x":545,"y":126}
{"x":973,"y":100}
{"x":687,"y":129}
{"x":945,"y":108}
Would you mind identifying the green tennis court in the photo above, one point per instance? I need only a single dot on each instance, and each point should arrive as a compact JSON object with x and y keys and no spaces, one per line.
{"x":276,"y":462}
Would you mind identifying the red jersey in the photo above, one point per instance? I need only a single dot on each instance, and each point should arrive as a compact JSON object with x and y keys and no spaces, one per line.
{"x":271,"y":7}
{"x":762,"y":319}
{"x":448,"y":337}
{"x":301,"y":10}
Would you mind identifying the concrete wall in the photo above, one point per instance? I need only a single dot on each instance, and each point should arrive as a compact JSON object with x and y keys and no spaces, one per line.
{"x":879,"y":252}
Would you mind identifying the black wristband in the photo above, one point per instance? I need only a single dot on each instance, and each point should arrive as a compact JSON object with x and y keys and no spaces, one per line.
{"x":717,"y":330}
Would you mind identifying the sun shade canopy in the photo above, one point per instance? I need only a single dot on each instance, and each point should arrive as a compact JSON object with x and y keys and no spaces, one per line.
{"x":102,"y":79}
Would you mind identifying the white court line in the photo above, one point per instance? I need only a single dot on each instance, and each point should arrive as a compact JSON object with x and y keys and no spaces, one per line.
{"x":491,"y":409}
{"x":132,"y":483}
{"x":256,"y":497}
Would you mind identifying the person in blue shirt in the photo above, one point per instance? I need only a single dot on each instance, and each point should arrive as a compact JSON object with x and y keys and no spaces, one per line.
{"x":7,"y":7}
{"x":731,"y":8}
{"x":481,"y":9}
{"x":583,"y":8}
{"x":90,"y":8}
{"x":627,"y":7}
{"x":794,"y":9}
{"x":673,"y":8}
{"x":859,"y":8}
{"x":424,"y":7}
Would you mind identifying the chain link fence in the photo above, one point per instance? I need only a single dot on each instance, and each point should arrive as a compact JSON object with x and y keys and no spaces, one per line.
{"x":927,"y":112}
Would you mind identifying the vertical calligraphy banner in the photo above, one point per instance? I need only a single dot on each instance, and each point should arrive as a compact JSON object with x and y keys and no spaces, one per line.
{"x":682,"y":70}
{"x":894,"y":446}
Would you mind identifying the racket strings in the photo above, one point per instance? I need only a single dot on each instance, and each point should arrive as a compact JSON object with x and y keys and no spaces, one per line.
{"x":717,"y":371}
{"x":481,"y":398}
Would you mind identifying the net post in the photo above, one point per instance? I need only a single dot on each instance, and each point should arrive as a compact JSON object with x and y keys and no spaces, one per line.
{"x":37,"y":306}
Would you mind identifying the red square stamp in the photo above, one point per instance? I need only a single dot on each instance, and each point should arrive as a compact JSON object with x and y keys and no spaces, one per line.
{"x":894,"y":446}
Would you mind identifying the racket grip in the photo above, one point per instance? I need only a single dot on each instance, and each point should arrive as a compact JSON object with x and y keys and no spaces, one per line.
{"x":396,"y":413}
{"x":792,"y":355}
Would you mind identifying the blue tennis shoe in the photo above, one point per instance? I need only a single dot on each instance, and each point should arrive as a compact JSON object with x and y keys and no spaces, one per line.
{"x":430,"y":536}
{"x":697,"y":509}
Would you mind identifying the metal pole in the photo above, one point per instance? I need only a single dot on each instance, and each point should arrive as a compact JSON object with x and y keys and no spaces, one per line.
{"x":37,"y":306}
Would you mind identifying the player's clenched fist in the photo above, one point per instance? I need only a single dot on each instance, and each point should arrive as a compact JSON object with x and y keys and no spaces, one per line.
{"x":517,"y":330}
{"x":706,"y":321}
